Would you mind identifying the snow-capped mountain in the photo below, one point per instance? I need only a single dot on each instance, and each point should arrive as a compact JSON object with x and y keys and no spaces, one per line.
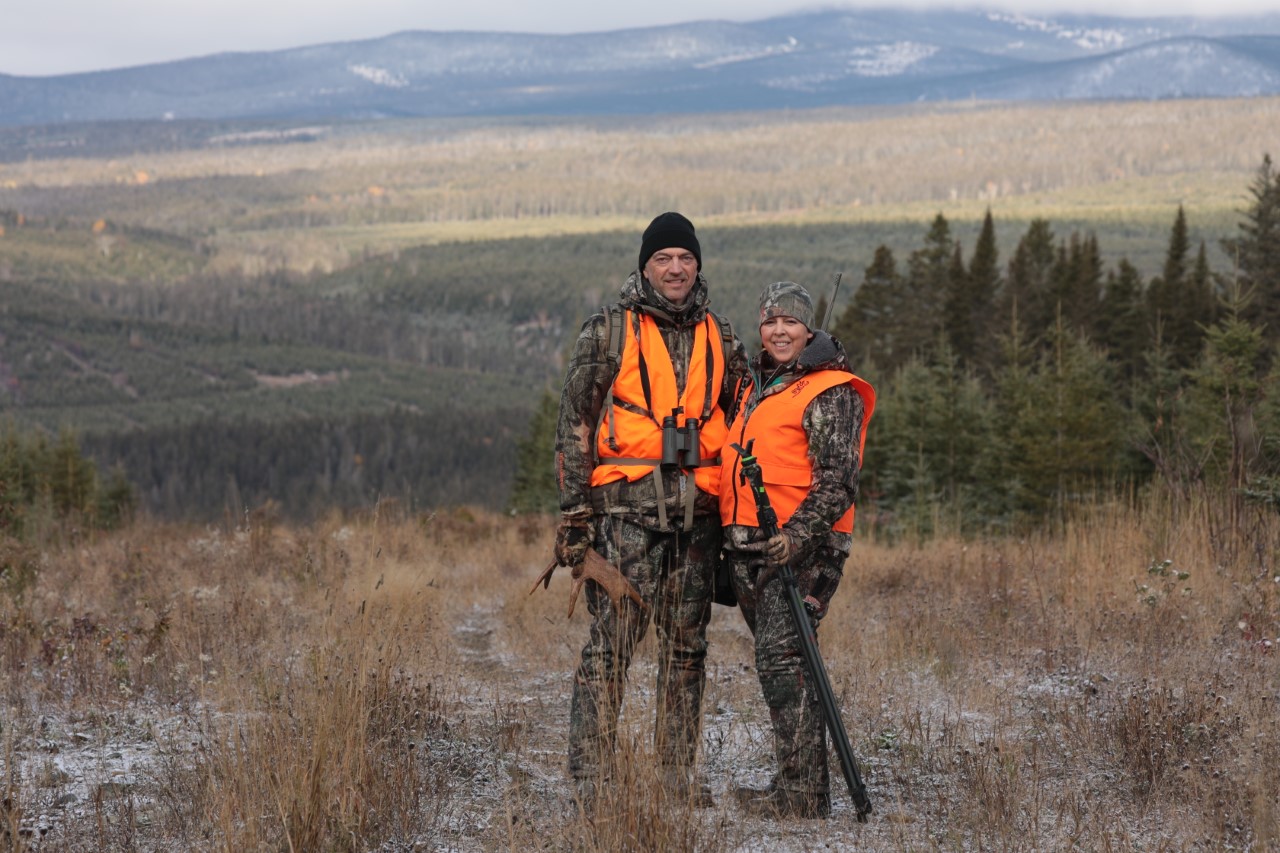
{"x":811,"y":60}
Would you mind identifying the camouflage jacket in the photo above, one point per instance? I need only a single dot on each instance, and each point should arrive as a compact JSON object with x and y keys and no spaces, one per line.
{"x":587,"y":382}
{"x":833,"y":423}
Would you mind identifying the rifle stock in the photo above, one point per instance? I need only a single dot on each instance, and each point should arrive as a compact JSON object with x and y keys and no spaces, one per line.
{"x":768,"y":521}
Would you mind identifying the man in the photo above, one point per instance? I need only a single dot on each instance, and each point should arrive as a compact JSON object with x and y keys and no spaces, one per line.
{"x":642,"y":421}
{"x":804,"y":415}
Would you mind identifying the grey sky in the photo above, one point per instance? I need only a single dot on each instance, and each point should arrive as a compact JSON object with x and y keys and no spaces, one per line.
{"x":43,"y":37}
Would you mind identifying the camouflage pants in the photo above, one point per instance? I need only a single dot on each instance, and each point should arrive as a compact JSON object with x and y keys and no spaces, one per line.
{"x":673,"y":573}
{"x":799,"y":731}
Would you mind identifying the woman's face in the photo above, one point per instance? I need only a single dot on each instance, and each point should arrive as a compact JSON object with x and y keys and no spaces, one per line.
{"x":784,"y":338}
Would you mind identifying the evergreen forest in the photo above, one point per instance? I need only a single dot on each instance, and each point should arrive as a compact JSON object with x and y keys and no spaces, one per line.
{"x":1027,"y":356}
{"x":1011,"y":391}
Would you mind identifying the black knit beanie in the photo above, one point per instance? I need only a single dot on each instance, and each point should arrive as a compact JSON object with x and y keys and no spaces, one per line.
{"x":666,"y":231}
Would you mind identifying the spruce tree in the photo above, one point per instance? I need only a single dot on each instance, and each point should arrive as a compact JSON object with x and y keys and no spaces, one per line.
{"x":1061,"y":431}
{"x":871,"y":327}
{"x":1204,"y":301}
{"x":1122,"y":324}
{"x":534,"y":488}
{"x":1226,"y":389}
{"x":957,"y":316}
{"x":1179,"y":299}
{"x":928,"y":283}
{"x":1027,"y":284}
{"x":1075,"y":286}
{"x":984,"y":287}
{"x":1256,"y":251}
{"x":933,"y":427}
{"x":70,"y":477}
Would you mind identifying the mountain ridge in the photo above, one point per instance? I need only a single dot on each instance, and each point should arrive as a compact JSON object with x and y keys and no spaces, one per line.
{"x":818,"y":59}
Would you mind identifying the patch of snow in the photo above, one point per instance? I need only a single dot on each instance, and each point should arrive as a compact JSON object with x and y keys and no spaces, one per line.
{"x":772,"y":50}
{"x":1087,"y":38}
{"x":886,"y":60}
{"x":379,"y":76}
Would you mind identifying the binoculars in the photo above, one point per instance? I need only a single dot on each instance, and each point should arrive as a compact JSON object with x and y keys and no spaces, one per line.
{"x":680,"y":444}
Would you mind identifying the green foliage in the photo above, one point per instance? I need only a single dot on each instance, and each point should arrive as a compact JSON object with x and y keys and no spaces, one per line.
{"x":1255,"y":251}
{"x":1181,"y":299}
{"x":1227,"y":386}
{"x":534,"y":488}
{"x":925,"y":448}
{"x":874,"y":326}
{"x":57,"y":480}
{"x":1122,"y":328}
{"x":310,"y":464}
{"x":416,"y":374}
{"x":1060,"y":431}
{"x":975,"y":308}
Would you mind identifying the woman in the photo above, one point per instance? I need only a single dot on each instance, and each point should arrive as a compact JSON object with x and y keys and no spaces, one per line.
{"x":803,"y":416}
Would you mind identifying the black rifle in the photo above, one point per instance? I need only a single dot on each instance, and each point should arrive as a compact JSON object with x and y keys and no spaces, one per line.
{"x":768,"y":521}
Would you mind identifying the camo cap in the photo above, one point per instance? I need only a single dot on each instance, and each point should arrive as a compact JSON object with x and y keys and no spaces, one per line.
{"x":786,"y":299}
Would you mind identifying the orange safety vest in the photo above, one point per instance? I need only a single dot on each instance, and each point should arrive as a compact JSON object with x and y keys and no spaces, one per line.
{"x":783,"y":450}
{"x":644,"y":392}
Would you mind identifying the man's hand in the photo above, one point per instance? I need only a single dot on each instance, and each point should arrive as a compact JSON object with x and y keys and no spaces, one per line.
{"x":780,"y":549}
{"x":573,"y":537}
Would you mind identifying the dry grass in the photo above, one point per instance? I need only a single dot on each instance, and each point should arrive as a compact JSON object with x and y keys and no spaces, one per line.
{"x":386,"y":682}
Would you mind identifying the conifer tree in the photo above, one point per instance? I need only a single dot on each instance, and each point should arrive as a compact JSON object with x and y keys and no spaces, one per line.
{"x":71,"y":478}
{"x":1203,"y":298}
{"x":984,"y":287}
{"x":957,"y":315}
{"x":1160,"y":408}
{"x":871,"y":327}
{"x":1075,"y":286}
{"x":928,"y":283}
{"x":1179,"y":299}
{"x":1256,"y":251}
{"x":933,"y":422}
{"x":1027,"y":284}
{"x":1122,"y":324}
{"x":1061,"y":432}
{"x":534,"y":488}
{"x":1226,"y":388}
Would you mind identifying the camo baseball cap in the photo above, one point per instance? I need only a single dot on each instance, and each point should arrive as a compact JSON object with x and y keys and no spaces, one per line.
{"x":786,"y":299}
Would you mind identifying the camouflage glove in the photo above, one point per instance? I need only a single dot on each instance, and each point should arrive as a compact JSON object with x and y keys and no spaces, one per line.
{"x":573,"y":537}
{"x":781,"y":549}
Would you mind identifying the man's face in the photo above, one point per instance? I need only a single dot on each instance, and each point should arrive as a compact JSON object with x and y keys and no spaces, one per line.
{"x":672,"y":272}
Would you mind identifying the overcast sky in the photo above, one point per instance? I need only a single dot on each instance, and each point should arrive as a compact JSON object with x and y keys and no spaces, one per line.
{"x":43,"y":37}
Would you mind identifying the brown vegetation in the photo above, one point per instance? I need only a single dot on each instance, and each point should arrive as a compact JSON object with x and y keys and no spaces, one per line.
{"x":321,"y":204}
{"x":387,"y":682}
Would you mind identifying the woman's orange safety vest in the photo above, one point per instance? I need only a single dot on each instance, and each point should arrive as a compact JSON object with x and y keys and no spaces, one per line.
{"x":644,"y":392}
{"x":782,"y":448}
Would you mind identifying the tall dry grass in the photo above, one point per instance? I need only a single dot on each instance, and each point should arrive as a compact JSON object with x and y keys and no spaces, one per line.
{"x":387,"y":682}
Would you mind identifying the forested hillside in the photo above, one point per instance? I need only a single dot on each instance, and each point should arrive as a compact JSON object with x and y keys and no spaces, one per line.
{"x":202,"y":317}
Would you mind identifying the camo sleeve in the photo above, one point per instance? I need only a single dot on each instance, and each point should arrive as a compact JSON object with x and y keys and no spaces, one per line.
{"x":833,"y":422}
{"x":736,"y":375}
{"x":581,"y":401}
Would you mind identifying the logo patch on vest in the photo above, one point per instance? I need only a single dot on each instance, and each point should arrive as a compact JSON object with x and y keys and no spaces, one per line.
{"x":798,"y":386}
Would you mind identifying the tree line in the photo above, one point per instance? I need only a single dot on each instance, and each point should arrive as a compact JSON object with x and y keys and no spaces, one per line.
{"x":45,"y":481}
{"x":1009,"y":393}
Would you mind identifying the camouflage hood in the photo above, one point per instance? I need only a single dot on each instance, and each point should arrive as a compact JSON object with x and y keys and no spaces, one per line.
{"x":639,"y":295}
{"x":822,"y":353}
